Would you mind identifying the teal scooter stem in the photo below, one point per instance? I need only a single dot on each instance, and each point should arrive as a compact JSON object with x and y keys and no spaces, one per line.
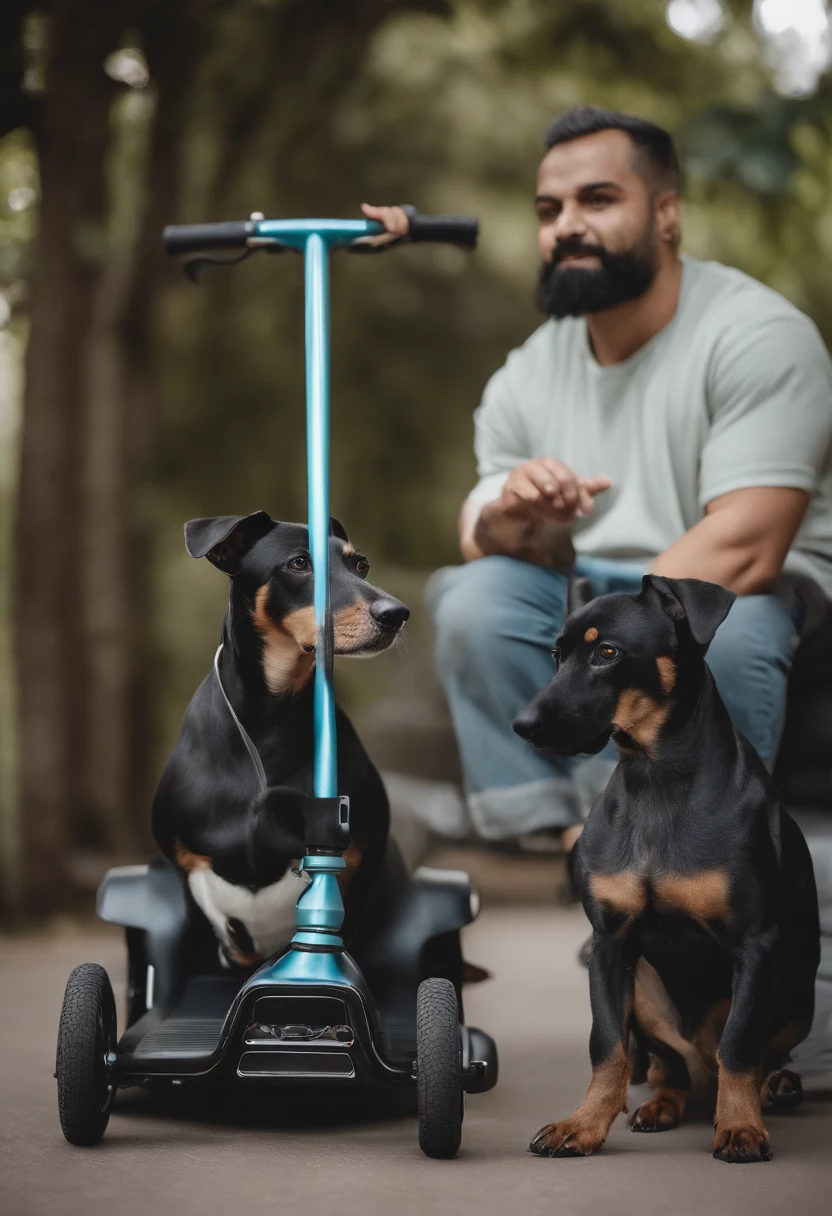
{"x":315,"y":238}
{"x":320,"y":909}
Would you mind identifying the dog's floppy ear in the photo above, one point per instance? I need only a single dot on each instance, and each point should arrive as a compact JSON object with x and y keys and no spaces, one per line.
{"x":225,"y":539}
{"x":336,"y":528}
{"x":703,"y":605}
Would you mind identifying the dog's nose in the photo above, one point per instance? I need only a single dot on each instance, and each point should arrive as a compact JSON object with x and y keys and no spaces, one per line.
{"x":526,"y":725}
{"x":389,"y":614}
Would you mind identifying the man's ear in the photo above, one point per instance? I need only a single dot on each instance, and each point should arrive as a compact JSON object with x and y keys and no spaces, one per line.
{"x":703,"y":605}
{"x":226,"y":539}
{"x":336,"y":528}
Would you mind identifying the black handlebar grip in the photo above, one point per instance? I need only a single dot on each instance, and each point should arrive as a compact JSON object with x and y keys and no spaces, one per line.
{"x":447,"y":229}
{"x":193,"y":238}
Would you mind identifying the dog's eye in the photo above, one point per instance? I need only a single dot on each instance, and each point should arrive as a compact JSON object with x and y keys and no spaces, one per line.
{"x":362,"y":567}
{"x":606,"y":652}
{"x":299,"y":563}
{"x":556,"y":656}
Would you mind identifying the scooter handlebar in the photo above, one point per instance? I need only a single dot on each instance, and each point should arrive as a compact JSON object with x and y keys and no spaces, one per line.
{"x":193,"y":238}
{"x":198,"y":238}
{"x":445,"y":229}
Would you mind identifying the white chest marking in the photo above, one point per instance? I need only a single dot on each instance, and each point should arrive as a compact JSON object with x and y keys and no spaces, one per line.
{"x":268,"y":914}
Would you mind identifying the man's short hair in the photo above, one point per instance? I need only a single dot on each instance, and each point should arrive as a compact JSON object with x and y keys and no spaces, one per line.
{"x":654,"y":145}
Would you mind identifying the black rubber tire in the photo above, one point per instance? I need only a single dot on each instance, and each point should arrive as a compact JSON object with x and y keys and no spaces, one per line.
{"x":86,"y":1034}
{"x":438,"y":1068}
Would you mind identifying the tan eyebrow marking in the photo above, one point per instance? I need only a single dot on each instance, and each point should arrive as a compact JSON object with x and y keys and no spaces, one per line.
{"x":591,"y":634}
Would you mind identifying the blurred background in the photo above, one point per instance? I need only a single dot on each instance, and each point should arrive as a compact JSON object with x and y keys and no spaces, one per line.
{"x":132,"y":400}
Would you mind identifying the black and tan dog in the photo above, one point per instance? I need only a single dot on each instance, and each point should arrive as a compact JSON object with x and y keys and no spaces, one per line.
{"x":698,"y":885}
{"x":235,"y":834}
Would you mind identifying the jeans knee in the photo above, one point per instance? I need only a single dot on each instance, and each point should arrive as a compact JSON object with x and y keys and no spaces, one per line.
{"x":465,"y":605}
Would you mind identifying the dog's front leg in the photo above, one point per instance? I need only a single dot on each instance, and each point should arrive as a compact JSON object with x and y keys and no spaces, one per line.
{"x":741,"y":1135}
{"x":611,"y":978}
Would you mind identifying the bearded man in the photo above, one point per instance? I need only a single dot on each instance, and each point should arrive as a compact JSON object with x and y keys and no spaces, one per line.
{"x":670,"y":416}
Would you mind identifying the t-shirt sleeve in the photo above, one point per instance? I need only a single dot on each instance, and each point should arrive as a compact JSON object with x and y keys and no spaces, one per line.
{"x":770,"y":398}
{"x":500,"y":440}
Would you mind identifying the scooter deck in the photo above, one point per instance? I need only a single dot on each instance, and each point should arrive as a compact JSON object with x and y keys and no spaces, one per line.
{"x":191,"y":1029}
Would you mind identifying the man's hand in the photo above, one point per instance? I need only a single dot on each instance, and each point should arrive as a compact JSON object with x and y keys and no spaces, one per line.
{"x":395,"y":221}
{"x":547,"y":489}
{"x":532,"y":518}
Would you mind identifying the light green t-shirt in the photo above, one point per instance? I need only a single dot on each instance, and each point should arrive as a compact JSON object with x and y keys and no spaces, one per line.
{"x":736,"y":391}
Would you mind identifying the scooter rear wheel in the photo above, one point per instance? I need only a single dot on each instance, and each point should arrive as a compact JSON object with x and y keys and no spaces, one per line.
{"x":86,"y":1036}
{"x":439,"y":1068}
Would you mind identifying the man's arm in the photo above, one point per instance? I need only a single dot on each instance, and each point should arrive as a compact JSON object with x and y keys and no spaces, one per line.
{"x":770,"y":401}
{"x":742,"y":541}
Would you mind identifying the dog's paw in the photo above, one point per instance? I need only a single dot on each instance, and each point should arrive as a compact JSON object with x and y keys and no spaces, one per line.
{"x":782,"y":1089}
{"x":742,"y":1145}
{"x":658,"y":1115}
{"x":571,"y":1138}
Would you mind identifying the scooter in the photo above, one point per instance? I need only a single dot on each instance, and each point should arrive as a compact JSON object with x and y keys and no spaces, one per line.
{"x":313,"y":1015}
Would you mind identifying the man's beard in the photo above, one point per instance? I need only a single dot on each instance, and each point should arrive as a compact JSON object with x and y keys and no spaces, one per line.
{"x":573,"y":291}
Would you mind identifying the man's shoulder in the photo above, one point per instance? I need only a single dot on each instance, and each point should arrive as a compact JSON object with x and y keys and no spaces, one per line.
{"x":730,"y":299}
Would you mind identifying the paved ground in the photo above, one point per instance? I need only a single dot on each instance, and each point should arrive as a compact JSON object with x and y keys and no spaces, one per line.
{"x":214,"y":1161}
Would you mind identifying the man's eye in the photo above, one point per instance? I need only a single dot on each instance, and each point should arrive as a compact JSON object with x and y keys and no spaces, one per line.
{"x":299,"y":563}
{"x":606,"y":652}
{"x":362,"y":567}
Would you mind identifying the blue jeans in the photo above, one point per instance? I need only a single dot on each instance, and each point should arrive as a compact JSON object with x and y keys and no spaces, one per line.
{"x":496,"y":620}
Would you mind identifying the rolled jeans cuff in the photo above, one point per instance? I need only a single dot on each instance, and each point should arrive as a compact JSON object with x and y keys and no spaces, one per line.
{"x":513,"y":810}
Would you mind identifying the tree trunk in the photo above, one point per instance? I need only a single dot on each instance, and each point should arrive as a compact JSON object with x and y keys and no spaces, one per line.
{"x":73,"y":141}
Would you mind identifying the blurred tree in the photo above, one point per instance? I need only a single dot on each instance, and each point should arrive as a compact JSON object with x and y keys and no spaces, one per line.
{"x":82,"y":540}
{"x":149,"y":401}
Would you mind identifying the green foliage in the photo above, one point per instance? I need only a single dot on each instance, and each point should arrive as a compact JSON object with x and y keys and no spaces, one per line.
{"x":304,"y":107}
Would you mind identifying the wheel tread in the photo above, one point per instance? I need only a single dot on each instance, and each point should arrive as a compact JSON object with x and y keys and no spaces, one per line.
{"x":88,"y":992}
{"x":439,"y":1069}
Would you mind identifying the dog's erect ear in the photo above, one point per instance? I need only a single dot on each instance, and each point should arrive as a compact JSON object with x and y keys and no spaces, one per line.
{"x":336,"y":528}
{"x":579,"y":593}
{"x":703,"y":605}
{"x":226,"y":539}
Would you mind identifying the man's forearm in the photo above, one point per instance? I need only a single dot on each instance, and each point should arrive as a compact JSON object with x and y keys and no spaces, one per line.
{"x":542,"y":542}
{"x":712,"y":552}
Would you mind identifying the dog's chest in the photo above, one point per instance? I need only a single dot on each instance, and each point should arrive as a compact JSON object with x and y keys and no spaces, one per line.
{"x":267,"y":915}
{"x":701,"y":895}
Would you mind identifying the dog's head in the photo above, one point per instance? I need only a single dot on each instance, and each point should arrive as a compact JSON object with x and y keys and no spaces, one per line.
{"x":618,"y":662}
{"x":270,"y":567}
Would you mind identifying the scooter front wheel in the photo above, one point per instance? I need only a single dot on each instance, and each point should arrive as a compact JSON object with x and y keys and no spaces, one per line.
{"x":86,"y":1037}
{"x":439,"y":1068}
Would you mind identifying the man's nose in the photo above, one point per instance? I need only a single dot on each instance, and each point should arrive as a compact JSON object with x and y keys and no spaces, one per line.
{"x":570,"y":222}
{"x":389,"y":613}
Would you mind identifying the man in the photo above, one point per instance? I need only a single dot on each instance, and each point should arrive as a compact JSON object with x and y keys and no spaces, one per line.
{"x":670,"y":416}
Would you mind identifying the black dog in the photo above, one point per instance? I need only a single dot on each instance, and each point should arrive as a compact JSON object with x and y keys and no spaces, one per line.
{"x":232,"y":820}
{"x":699,"y":887}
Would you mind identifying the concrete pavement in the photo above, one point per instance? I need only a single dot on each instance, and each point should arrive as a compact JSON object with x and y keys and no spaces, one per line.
{"x":270,"y":1159}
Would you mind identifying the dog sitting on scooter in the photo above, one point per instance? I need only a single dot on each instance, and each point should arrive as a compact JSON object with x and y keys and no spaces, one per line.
{"x":698,"y":885}
{"x":231,"y":818}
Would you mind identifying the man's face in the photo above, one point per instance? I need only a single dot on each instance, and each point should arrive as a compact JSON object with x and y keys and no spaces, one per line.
{"x":597,"y":240}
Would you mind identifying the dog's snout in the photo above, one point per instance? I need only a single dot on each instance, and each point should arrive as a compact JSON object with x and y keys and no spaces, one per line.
{"x":526,"y":724}
{"x":389,"y":613}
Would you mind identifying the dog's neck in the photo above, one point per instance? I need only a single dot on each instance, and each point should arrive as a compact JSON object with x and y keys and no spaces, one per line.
{"x":688,"y":729}
{"x":262,"y":688}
